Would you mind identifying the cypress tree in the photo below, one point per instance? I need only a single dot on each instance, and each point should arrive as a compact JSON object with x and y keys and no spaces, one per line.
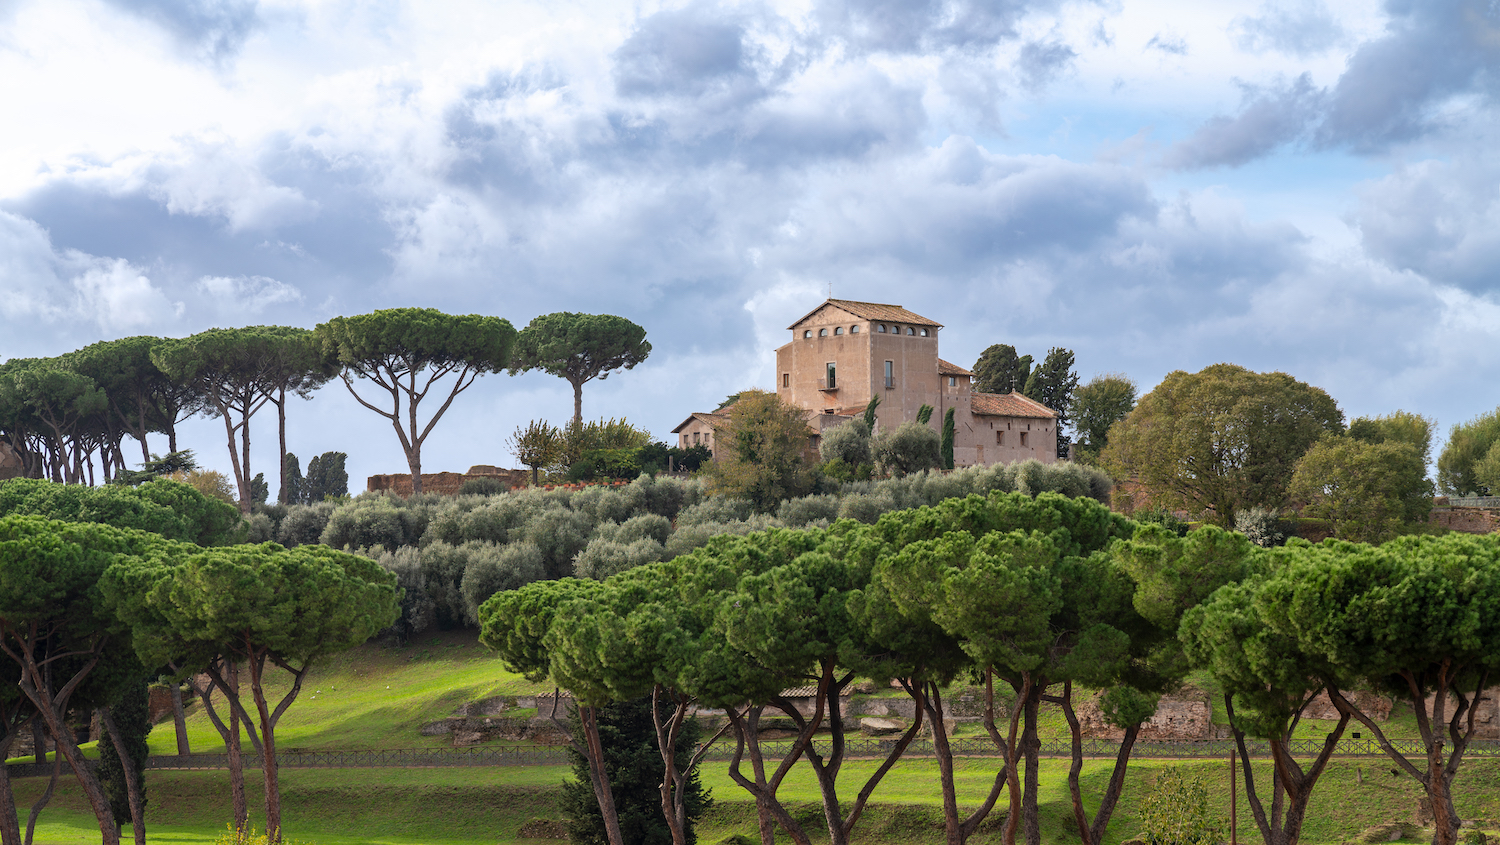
{"x":132,"y":716}
{"x":635,"y":773}
{"x":947,"y":443}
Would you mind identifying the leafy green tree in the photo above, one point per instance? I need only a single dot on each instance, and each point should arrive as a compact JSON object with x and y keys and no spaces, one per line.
{"x":1052,"y":384}
{"x":1220,"y":440}
{"x":1468,"y":445}
{"x":1371,"y":492}
{"x":263,"y":606}
{"x":1268,"y":682}
{"x":580,"y":348}
{"x":294,"y":365}
{"x":1417,"y":618}
{"x":1000,"y":370}
{"x":406,"y":352}
{"x":1398,"y":427}
{"x":762,"y":452}
{"x":1097,"y":405}
{"x":869,"y":417}
{"x":924,"y":414}
{"x":627,"y":733}
{"x":536,"y":445}
{"x":142,"y":399}
{"x":907,"y":448}
{"x":945,"y":447}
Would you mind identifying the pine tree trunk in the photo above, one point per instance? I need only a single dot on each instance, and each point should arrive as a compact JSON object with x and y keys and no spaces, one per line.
{"x":179,"y":721}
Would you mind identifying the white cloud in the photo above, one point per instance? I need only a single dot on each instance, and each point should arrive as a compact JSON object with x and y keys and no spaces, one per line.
{"x":246,"y":296}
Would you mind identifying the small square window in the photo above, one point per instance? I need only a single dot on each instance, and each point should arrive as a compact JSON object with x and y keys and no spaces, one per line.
{"x":838,"y":329}
{"x":854,"y":330}
{"x":822,"y":333}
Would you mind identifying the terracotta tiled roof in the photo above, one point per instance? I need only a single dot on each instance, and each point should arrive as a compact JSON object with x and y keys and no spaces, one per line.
{"x":1010,"y":405}
{"x":711,"y":419}
{"x":946,"y":368}
{"x":872,"y":311}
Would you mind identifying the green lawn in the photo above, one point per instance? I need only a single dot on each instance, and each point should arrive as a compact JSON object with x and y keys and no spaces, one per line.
{"x":490,"y":805}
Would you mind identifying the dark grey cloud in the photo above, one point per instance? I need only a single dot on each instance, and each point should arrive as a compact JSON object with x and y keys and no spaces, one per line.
{"x":1268,"y":118}
{"x":1300,"y":29}
{"x":1393,"y":90}
{"x":1437,"y":219}
{"x":214,"y":30}
{"x":1041,"y":62}
{"x":904,"y":26}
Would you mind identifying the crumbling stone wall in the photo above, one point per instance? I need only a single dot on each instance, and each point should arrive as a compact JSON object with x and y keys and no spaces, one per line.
{"x":1467,"y":520}
{"x":445,"y":483}
{"x":11,"y":465}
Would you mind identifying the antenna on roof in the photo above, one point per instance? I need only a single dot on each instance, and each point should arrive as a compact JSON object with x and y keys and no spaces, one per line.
{"x":830,"y":290}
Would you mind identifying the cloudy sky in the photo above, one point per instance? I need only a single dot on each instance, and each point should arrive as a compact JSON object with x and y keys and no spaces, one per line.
{"x":1297,"y":185}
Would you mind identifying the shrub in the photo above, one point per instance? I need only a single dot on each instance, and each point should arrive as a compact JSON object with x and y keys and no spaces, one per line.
{"x":714,"y":509}
{"x":1164,"y":518}
{"x":848,"y":443}
{"x":1263,"y":526}
{"x":483,"y":487}
{"x":689,"y":537}
{"x":374,"y":520}
{"x":259,"y":529}
{"x":909,"y":447}
{"x":492,"y":569}
{"x":1176,"y":811}
{"x":169,"y":508}
{"x":797,"y":513}
{"x":867,"y":507}
{"x":304,"y":524}
{"x":603,"y":558}
{"x":418,"y":609}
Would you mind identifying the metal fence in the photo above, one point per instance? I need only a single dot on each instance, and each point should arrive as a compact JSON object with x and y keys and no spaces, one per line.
{"x":1473,"y":502}
{"x":419,"y":758}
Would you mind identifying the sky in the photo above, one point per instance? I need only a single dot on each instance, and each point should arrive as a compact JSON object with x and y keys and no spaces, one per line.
{"x":1293,"y":185}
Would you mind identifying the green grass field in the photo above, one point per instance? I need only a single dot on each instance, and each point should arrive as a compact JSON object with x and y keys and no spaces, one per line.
{"x":378,"y":696}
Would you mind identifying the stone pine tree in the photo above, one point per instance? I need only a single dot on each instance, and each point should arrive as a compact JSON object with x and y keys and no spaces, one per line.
{"x":406,"y":353}
{"x":580,"y":348}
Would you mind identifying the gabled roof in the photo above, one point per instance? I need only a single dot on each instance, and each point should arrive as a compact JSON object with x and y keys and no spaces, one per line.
{"x":712,"y":420}
{"x":946,"y":368}
{"x":1010,"y":405}
{"x":871,"y":311}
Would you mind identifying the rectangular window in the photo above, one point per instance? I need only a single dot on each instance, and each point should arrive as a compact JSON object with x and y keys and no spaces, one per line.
{"x":1023,"y":438}
{"x":999,"y":438}
{"x":696,"y":435}
{"x":786,"y":379}
{"x":832,"y":378}
{"x":890,"y":375}
{"x":953,"y":381}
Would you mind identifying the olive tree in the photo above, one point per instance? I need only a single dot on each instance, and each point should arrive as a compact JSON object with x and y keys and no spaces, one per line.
{"x":407,"y":353}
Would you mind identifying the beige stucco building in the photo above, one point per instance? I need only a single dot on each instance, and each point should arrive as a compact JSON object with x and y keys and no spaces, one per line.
{"x":843,"y":352}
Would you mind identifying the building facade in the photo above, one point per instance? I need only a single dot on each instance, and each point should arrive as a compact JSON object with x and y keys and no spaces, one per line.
{"x":843,"y":352}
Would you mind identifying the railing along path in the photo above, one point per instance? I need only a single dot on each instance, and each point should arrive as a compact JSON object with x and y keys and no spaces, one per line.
{"x":510,"y":755}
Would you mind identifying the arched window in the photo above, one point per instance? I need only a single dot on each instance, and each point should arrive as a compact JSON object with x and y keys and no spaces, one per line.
{"x":924,"y":333}
{"x":807,"y":332}
{"x":838,"y":330}
{"x":822,"y":333}
{"x":910,"y":330}
{"x":854,"y":330}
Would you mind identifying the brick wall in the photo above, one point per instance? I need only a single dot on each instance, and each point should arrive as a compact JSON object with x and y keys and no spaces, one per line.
{"x":445,"y":483}
{"x":1467,"y":520}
